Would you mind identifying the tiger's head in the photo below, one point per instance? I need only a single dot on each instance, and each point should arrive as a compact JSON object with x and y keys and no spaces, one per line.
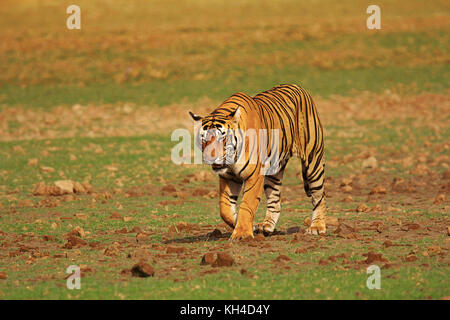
{"x":216,"y":135}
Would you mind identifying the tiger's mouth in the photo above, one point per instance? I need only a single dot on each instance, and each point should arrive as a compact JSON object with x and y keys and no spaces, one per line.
{"x":218,"y":167}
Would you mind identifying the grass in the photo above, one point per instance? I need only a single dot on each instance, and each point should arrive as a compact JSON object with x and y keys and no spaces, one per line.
{"x":163,"y":92}
{"x":136,"y":68}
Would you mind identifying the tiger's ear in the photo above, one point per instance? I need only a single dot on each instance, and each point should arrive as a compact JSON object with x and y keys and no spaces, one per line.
{"x":195,"y":117}
{"x":236,"y":114}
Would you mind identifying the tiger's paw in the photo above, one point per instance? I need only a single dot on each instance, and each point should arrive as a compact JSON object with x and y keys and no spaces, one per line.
{"x":318,"y":227}
{"x":241,"y":234}
{"x":264,"y":228}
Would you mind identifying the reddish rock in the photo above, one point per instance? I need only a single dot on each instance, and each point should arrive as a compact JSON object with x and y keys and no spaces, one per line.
{"x":282,"y":257}
{"x":224,"y":259}
{"x":175,"y":249}
{"x":374,"y":257}
{"x":216,"y":233}
{"x":208,"y":258}
{"x":142,"y":270}
{"x":73,"y":241}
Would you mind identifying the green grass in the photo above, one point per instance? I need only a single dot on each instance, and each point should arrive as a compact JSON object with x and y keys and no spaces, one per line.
{"x":163,"y":92}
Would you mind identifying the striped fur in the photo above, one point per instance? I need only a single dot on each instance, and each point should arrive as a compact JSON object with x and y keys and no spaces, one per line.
{"x":242,"y":166}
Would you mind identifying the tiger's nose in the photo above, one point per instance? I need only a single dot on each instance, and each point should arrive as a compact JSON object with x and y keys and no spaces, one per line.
{"x":210,"y":157}
{"x":212,"y":153}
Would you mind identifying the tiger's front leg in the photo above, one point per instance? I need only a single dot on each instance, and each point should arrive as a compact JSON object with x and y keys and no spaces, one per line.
{"x":229,"y":192}
{"x":251,"y":198}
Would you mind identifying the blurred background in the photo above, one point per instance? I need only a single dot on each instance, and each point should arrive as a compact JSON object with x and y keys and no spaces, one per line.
{"x":164,"y":51}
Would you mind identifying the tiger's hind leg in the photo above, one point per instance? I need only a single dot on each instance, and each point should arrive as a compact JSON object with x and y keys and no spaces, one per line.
{"x":272,"y":189}
{"x":313,"y":179}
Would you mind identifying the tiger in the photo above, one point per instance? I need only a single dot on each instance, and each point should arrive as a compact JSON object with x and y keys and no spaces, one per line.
{"x":288,"y":118}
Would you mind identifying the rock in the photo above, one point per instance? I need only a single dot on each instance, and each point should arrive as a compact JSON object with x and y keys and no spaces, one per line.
{"x":73,"y":241}
{"x":446,"y":175}
{"x":77,"y":232}
{"x":135,"y":229}
{"x":301,"y":250}
{"x":439,"y":199}
{"x":410,"y":258}
{"x":175,"y":250}
{"x":332,"y":221}
{"x":33,"y":162}
{"x":79,"y":188}
{"x":369,"y":163}
{"x":307,"y":221}
{"x":282,"y":257}
{"x":141,"y":237}
{"x":346,"y":182}
{"x":434,"y":250}
{"x":346,"y":188}
{"x":203,"y":176}
{"x":345,"y":231}
{"x":208,"y":258}
{"x":47,"y":169}
{"x":362,"y":208}
{"x":169,"y":189}
{"x":87,"y":186}
{"x":243,"y":271}
{"x":81,"y":216}
{"x":224,"y":259}
{"x":142,"y":270}
{"x":347,"y":199}
{"x":3,"y":276}
{"x":200,"y":192}
{"x":113,"y":250}
{"x":259,"y":237}
{"x":323,"y":262}
{"x":48,"y":238}
{"x":65,"y":186}
{"x":40,"y":189}
{"x":216,"y":233}
{"x":388,"y":243}
{"x":115,"y":216}
{"x":378,"y":190}
{"x":374,"y":257}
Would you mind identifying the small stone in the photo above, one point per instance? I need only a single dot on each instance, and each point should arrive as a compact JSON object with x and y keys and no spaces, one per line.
{"x":175,"y":249}
{"x":332,"y":221}
{"x":40,"y":189}
{"x":208,"y":258}
{"x":224,"y":259}
{"x":369,"y":163}
{"x":65,"y":186}
{"x":282,"y":257}
{"x":142,"y":270}
{"x":439,"y":199}
{"x":362,"y":208}
{"x":47,"y":169}
{"x":33,"y":162}
{"x":378,"y":190}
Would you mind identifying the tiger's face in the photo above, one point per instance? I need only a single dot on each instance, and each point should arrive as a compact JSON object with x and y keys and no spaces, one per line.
{"x":217,"y":138}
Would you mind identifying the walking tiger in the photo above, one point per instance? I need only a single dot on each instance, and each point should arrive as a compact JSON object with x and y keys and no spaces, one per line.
{"x":248,"y":142}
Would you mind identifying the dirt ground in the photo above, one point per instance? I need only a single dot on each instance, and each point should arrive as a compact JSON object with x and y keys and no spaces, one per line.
{"x":387,"y":199}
